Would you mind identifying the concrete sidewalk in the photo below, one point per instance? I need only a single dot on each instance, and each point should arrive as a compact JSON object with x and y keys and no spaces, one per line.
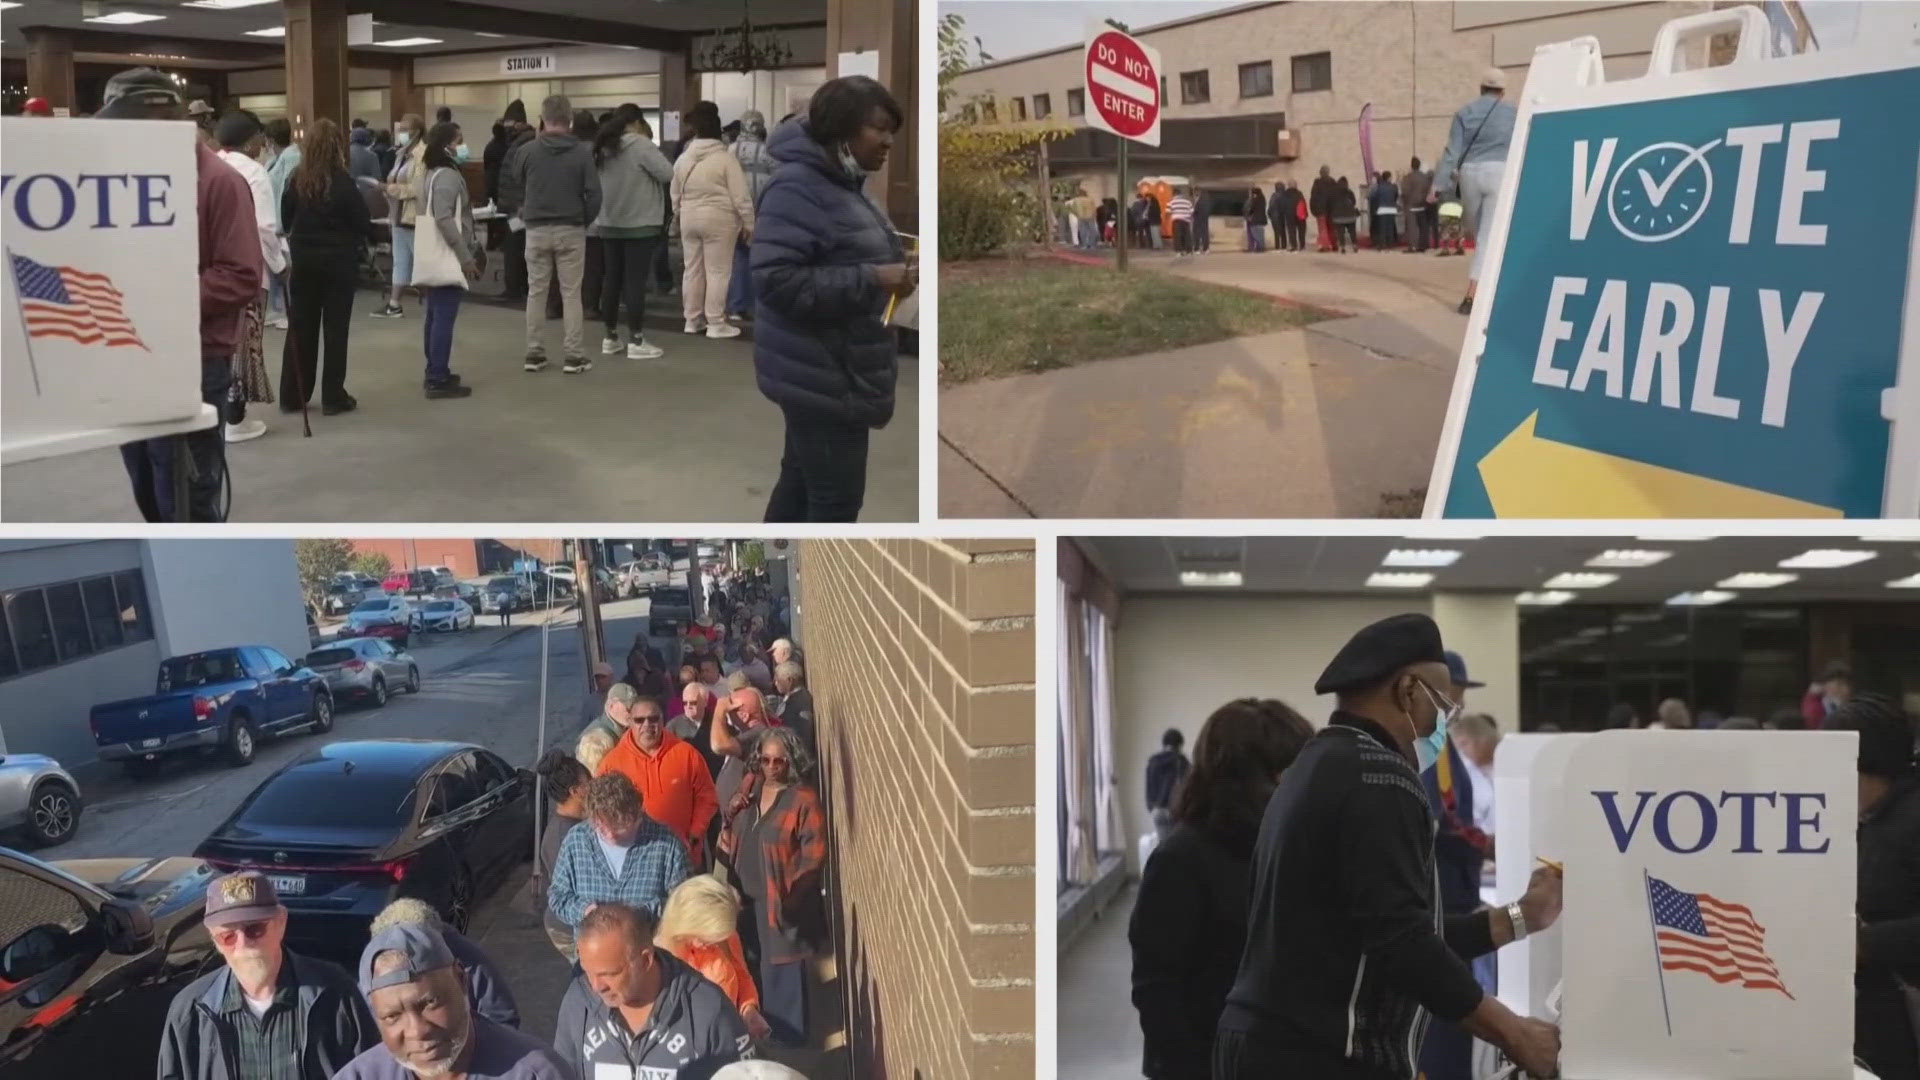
{"x":688,"y":437}
{"x":1336,"y":419}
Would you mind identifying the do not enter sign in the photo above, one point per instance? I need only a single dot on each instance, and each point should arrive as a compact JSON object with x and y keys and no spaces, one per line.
{"x":1123,"y":86}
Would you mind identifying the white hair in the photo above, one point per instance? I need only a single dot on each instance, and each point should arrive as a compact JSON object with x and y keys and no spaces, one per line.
{"x":791,"y":669}
{"x":405,"y":911}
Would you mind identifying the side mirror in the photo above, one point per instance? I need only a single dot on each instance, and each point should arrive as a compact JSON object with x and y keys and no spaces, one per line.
{"x":128,"y":926}
{"x":33,"y":953}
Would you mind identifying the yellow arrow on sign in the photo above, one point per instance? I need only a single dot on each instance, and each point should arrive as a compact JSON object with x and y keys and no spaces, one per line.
{"x":1530,"y":477}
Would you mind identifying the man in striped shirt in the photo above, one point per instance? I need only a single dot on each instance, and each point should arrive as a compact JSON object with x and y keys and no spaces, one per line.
{"x":618,"y":855}
{"x":1180,"y":208}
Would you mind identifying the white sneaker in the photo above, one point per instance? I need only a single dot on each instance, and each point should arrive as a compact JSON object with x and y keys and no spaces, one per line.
{"x":609,"y":346}
{"x":278,"y":322}
{"x":694,"y":326}
{"x":640,"y":350}
{"x":723,"y":331}
{"x":246,"y":429}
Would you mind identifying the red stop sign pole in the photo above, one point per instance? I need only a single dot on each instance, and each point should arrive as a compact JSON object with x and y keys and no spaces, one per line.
{"x":1123,"y":95}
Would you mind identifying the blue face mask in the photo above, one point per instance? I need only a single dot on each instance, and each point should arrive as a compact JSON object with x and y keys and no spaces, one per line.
{"x":402,"y":139}
{"x":1427,"y":750}
{"x":461,"y":153}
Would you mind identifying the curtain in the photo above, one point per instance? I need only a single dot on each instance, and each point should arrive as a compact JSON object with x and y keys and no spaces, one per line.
{"x":1110,"y":834}
{"x":1076,"y":749}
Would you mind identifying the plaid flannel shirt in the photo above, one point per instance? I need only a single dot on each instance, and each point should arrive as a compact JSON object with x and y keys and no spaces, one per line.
{"x":581,"y":876}
{"x":793,"y":850}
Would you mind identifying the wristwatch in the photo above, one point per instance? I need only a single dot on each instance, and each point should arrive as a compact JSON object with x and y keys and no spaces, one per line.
{"x":1518,"y":920}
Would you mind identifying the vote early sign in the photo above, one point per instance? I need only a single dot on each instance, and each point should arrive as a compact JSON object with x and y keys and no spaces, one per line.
{"x":1123,"y":85}
{"x":1698,"y":304}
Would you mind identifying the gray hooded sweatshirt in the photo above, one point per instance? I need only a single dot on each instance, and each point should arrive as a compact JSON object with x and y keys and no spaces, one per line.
{"x":560,"y":185}
{"x":633,"y":190}
{"x":693,"y":1031}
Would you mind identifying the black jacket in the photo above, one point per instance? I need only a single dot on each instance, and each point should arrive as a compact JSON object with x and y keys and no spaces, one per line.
{"x":1889,"y":907}
{"x":1188,"y":927}
{"x":1165,"y":770}
{"x":1280,"y":207}
{"x":1257,"y":207}
{"x":338,"y":223}
{"x":1320,"y":198}
{"x":491,"y":160}
{"x":1342,"y":205}
{"x":334,"y":1025}
{"x":1347,"y":951}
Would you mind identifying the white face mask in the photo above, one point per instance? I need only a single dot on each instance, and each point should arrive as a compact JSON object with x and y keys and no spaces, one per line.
{"x":403,"y":138}
{"x":850,"y":166}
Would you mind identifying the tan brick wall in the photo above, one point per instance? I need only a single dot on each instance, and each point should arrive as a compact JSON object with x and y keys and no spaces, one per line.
{"x":920,"y":654}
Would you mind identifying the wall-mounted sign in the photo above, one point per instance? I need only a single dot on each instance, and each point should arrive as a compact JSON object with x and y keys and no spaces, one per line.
{"x":542,"y":63}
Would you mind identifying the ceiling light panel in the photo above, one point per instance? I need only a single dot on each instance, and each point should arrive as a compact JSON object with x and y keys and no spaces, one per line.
{"x":1703,"y":598}
{"x":1757,"y":579}
{"x":1381,"y":579}
{"x":269,"y":31}
{"x":1826,"y":559}
{"x":1215,"y":579}
{"x":1628,"y":559}
{"x":1912,"y":582}
{"x":225,"y":5}
{"x":125,"y":18}
{"x":1547,"y":598}
{"x":1580,"y":579}
{"x":1421,"y":557}
{"x":408,"y":42}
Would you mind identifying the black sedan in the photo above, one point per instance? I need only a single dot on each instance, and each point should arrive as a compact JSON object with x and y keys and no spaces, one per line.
{"x":348,"y":828}
{"x":92,"y":951}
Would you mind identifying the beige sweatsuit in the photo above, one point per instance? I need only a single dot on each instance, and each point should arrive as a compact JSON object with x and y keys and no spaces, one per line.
{"x":713,"y":205}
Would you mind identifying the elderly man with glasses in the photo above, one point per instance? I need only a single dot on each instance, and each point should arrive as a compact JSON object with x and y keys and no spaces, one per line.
{"x":270,"y":1013}
{"x":670,"y":775}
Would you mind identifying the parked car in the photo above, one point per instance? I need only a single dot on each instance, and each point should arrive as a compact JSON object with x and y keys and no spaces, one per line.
{"x":443,"y":616}
{"x":639,"y":577}
{"x":38,"y":798}
{"x":411,"y":582}
{"x":92,"y":952}
{"x":376,"y":611}
{"x":342,"y":598}
{"x":460,"y":590}
{"x":669,"y":611}
{"x":365,"y":668}
{"x":506,"y":593}
{"x":352,"y":825}
{"x":220,"y":701}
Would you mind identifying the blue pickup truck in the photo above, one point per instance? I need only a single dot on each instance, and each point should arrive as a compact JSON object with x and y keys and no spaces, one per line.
{"x":220,"y":702}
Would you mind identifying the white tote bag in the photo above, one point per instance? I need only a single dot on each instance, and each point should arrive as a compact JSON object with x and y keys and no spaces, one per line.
{"x":434,"y":262}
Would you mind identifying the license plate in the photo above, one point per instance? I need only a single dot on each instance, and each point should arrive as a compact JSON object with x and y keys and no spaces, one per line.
{"x":148,"y":744}
{"x":288,"y":884}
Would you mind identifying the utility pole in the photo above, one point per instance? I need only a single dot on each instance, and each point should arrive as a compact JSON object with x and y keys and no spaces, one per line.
{"x":592,"y":642}
{"x":1123,"y":221}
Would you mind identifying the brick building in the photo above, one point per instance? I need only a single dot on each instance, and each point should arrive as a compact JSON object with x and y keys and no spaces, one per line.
{"x":920,"y":654}
{"x":1272,"y":91}
{"x":468,"y":558}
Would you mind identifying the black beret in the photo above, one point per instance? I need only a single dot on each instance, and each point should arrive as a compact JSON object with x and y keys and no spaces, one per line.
{"x":1381,"y":649}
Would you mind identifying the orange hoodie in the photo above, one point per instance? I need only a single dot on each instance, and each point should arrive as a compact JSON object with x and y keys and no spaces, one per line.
{"x":674,"y":786}
{"x":723,"y":965}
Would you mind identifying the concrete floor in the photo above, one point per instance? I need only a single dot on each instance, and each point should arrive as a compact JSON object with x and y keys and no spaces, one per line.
{"x":687,"y":437}
{"x":1099,"y":1032}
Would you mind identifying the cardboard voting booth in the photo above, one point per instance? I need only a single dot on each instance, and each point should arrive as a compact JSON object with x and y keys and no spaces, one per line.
{"x":1708,"y":926}
{"x":101,"y":337}
{"x":1701,"y":294}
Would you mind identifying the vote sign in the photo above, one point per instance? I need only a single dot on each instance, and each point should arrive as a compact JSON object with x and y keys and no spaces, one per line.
{"x":101,"y":321}
{"x":1698,"y":306}
{"x":1708,"y":927}
{"x":1123,"y":85}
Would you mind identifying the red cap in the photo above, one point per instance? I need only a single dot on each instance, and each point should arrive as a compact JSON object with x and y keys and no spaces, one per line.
{"x":37,"y":107}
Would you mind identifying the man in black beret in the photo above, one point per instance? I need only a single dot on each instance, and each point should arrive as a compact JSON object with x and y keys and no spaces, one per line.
{"x":1347,"y":951}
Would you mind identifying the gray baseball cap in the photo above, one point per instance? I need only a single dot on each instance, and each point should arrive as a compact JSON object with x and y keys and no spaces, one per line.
{"x":422,"y":945}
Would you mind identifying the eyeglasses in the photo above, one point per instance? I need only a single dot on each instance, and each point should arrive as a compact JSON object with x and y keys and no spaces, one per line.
{"x":232,"y":933}
{"x":766,"y":759}
{"x":653,"y":719}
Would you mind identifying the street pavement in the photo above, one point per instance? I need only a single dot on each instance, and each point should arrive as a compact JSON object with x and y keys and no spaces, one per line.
{"x":1339,"y":418}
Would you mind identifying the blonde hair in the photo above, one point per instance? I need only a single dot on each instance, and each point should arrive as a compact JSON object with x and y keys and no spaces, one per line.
{"x":592,"y":748}
{"x":407,"y":909}
{"x":702,"y":908}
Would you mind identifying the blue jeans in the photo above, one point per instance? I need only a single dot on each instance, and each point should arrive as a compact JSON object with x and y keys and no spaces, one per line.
{"x":1256,"y":236}
{"x":402,"y":258}
{"x":1089,"y":234}
{"x":740,"y":289}
{"x":443,"y":307}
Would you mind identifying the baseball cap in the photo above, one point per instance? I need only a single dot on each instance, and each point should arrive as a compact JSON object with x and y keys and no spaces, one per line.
{"x":136,"y":87}
{"x":622,"y":693}
{"x":198,"y":107}
{"x":1495,"y":78}
{"x":37,"y":107}
{"x":425,"y":950}
{"x":1457,"y":670}
{"x":601,"y":668}
{"x":245,"y":896}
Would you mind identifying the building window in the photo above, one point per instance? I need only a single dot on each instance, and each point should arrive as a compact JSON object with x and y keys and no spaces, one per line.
{"x":71,"y":620}
{"x":1256,"y":80}
{"x":1076,"y":102}
{"x":1194,"y":89}
{"x":1163,"y":89}
{"x":1019,"y":109}
{"x":989,"y":110}
{"x":1042,"y":106}
{"x":1312,"y":72}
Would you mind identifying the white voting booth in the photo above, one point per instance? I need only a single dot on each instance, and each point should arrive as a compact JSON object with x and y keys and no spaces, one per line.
{"x":1708,"y":927}
{"x":100,"y":327}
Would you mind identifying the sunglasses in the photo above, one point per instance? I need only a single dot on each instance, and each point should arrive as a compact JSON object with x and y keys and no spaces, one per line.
{"x":649,"y":720}
{"x":765,"y":759}
{"x":232,"y":933}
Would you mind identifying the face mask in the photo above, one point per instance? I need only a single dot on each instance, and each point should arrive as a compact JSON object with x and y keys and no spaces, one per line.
{"x":1427,"y":750}
{"x":850,"y":166}
{"x":461,"y":153}
{"x":402,"y":139}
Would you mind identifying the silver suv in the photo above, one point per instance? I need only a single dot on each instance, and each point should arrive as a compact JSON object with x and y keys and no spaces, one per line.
{"x":369,"y":669}
{"x":39,"y":798}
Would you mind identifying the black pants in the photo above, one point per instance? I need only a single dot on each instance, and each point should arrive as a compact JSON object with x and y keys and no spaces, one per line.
{"x":662,"y":272}
{"x":1246,"y":1055}
{"x":823,"y":471}
{"x":321,"y":295}
{"x":628,"y":264}
{"x":590,"y":278}
{"x":1387,"y":234}
{"x":514,"y":248}
{"x":150,"y":462}
{"x":1420,"y":228}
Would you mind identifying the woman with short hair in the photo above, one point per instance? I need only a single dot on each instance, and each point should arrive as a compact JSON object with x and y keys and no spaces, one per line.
{"x":701,"y":926}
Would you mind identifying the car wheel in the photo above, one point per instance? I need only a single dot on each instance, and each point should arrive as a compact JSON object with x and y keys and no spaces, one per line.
{"x":54,"y":813}
{"x":322,"y":712}
{"x":141,"y":768}
{"x":458,"y":911}
{"x":379,"y":691}
{"x":240,"y":742}
{"x":413,"y":680}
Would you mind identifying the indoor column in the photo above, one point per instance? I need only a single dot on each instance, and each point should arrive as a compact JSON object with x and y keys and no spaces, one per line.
{"x":859,"y":27}
{"x":1484,"y":628}
{"x":316,"y":61}
{"x":50,"y":65}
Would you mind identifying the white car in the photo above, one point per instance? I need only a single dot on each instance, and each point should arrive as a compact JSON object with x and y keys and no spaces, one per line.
{"x":434,"y":615}
{"x":376,"y":611}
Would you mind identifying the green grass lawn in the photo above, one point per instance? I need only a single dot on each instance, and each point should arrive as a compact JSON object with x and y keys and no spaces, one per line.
{"x":1011,"y":317}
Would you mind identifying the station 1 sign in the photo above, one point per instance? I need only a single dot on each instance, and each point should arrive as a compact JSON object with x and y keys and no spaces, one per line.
{"x":1123,"y":85}
{"x":1697,"y":302}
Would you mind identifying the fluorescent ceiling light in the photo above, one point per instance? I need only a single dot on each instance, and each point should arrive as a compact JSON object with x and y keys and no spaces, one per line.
{"x":1211,"y":578}
{"x":1628,"y":558}
{"x":1544,"y":599}
{"x":225,"y":5}
{"x":1702,"y":598}
{"x":401,"y":43}
{"x":125,"y":18}
{"x":1826,"y":559}
{"x":1755,"y":579}
{"x":483,"y":33}
{"x":1384,"y":580}
{"x":1682,"y":538}
{"x":1421,"y":557}
{"x":1580,"y":579}
{"x":271,"y":31}
{"x":8,"y":4}
{"x":1912,"y":582}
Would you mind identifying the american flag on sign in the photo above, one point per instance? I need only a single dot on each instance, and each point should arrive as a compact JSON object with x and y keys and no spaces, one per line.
{"x":1721,"y":940}
{"x":59,"y":301}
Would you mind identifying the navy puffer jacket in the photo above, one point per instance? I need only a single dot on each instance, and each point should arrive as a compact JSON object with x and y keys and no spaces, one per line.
{"x":820,"y":343}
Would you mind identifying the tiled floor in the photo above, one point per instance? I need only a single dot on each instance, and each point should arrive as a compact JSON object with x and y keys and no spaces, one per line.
{"x":1099,"y":1031}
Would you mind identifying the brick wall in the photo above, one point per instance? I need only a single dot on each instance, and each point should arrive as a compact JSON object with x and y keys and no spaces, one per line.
{"x":921,"y":658}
